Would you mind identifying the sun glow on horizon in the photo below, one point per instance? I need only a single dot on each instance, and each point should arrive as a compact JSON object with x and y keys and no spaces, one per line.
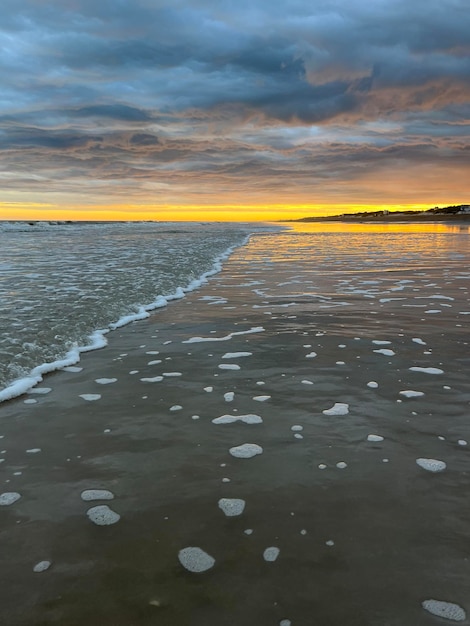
{"x":31,"y":211}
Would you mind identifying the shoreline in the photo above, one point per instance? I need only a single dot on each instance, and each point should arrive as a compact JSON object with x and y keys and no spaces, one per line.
{"x":388,"y":219}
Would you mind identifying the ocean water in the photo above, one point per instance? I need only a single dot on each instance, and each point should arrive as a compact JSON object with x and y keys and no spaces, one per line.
{"x":64,"y":286}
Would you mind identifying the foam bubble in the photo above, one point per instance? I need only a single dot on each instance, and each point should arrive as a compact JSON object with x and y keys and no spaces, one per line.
{"x":410,"y":393}
{"x":447,"y":610}
{"x":418,"y":340}
{"x":172,"y":374}
{"x":246,"y":450}
{"x":311,"y":355}
{"x":427,"y":370}
{"x":307,"y":382}
{"x":72,"y":368}
{"x":296,"y":427}
{"x":176,"y":407}
{"x":232,"y":506}
{"x":330,"y":542}
{"x":250,"y":418}
{"x":431,"y":465}
{"x":9,"y":497}
{"x":339,"y":408}
{"x":33,"y":451}
{"x":379,"y":342}
{"x":195,"y":559}
{"x":96,"y":494}
{"x":462,"y":442}
{"x":102,"y":515}
{"x":372,"y":384}
{"x":236,"y":355}
{"x":374,"y":438}
{"x":90,"y":397}
{"x":285,"y":622}
{"x":155,"y":379}
{"x":385,"y":352}
{"x":322,"y":466}
{"x":341,"y":465}
{"x":229,"y":396}
{"x":40,"y":390}
{"x":248,"y":531}
{"x":271,"y":554}
{"x":105,"y":381}
{"x":229,"y":366}
{"x":261,"y":398}
{"x":42,"y":566}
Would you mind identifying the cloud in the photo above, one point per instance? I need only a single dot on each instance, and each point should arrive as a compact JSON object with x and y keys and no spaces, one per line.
{"x":201,"y":95}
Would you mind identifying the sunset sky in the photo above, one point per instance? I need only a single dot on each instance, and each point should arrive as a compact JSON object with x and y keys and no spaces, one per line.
{"x":224,"y":109}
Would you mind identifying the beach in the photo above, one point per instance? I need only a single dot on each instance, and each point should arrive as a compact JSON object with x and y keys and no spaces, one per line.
{"x":285,"y":445}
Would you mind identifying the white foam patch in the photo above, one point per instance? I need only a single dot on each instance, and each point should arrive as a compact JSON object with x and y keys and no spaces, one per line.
{"x":232,"y":506}
{"x":154,"y":379}
{"x":229,"y":396}
{"x":322,"y":466}
{"x":374,"y":438}
{"x":261,"y":398}
{"x":33,"y":450}
{"x":195,"y":559}
{"x":427,"y":370}
{"x":372,"y":384}
{"x":209,"y":389}
{"x":307,"y":382}
{"x":379,"y":342}
{"x":248,"y":531}
{"x":229,"y":366}
{"x":311,"y":355}
{"x":172,"y":374}
{"x":419,"y":341}
{"x":255,"y":329}
{"x":341,"y":465}
{"x":447,"y":610}
{"x":462,"y":442}
{"x":155,"y":362}
{"x":246,"y":450}
{"x":105,"y":381}
{"x":9,"y":497}
{"x":271,"y":554}
{"x":102,"y":515}
{"x":42,"y":566}
{"x":72,"y":368}
{"x":30,"y":401}
{"x":285,"y":622}
{"x":410,"y":393}
{"x":89,"y":495}
{"x":431,"y":465}
{"x":176,"y":407}
{"x":90,"y":397}
{"x":330,"y":543}
{"x":249,"y":418}
{"x":297,"y":428}
{"x":385,"y":352}
{"x":339,"y":408}
{"x":236,"y":355}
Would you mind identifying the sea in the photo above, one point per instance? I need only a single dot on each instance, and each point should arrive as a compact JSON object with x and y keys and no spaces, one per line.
{"x":64,"y":286}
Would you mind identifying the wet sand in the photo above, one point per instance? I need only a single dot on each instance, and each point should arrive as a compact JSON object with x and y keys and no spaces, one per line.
{"x":365,"y":533}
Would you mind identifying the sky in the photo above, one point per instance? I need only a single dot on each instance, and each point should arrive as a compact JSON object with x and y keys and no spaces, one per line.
{"x":232,"y":109}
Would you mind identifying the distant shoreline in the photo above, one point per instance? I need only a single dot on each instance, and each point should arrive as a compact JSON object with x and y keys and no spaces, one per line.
{"x":390,"y":218}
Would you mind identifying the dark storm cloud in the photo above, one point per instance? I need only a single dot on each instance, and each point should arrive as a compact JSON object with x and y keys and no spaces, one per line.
{"x":197,"y":88}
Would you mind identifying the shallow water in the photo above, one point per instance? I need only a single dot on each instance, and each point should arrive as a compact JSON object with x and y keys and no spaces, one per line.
{"x":59,"y":284}
{"x":362,"y":521}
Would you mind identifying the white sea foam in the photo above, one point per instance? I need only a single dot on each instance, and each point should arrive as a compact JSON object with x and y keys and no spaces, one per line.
{"x":307,"y":382}
{"x":374,"y":438}
{"x":341,"y":465}
{"x":255,"y":329}
{"x":311,"y":355}
{"x":246,"y":450}
{"x":271,"y":554}
{"x":102,"y":515}
{"x":195,"y":559}
{"x":96,"y":494}
{"x":296,"y":428}
{"x":208,"y":389}
{"x":385,"y":352}
{"x":40,"y":390}
{"x":339,"y":408}
{"x":176,"y":407}
{"x":90,"y":397}
{"x":229,"y":366}
{"x":105,"y":381}
{"x":379,"y":342}
{"x":9,"y":497}
{"x":431,"y":465}
{"x":232,"y":506}
{"x":418,"y":340}
{"x":33,"y":451}
{"x":228,"y":397}
{"x":427,"y":370}
{"x":42,"y":566}
{"x":261,"y":398}
{"x":154,"y":379}
{"x":172,"y":374}
{"x":410,"y":393}
{"x":249,"y":418}
{"x":372,"y":384}
{"x":236,"y":355}
{"x":447,"y":610}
